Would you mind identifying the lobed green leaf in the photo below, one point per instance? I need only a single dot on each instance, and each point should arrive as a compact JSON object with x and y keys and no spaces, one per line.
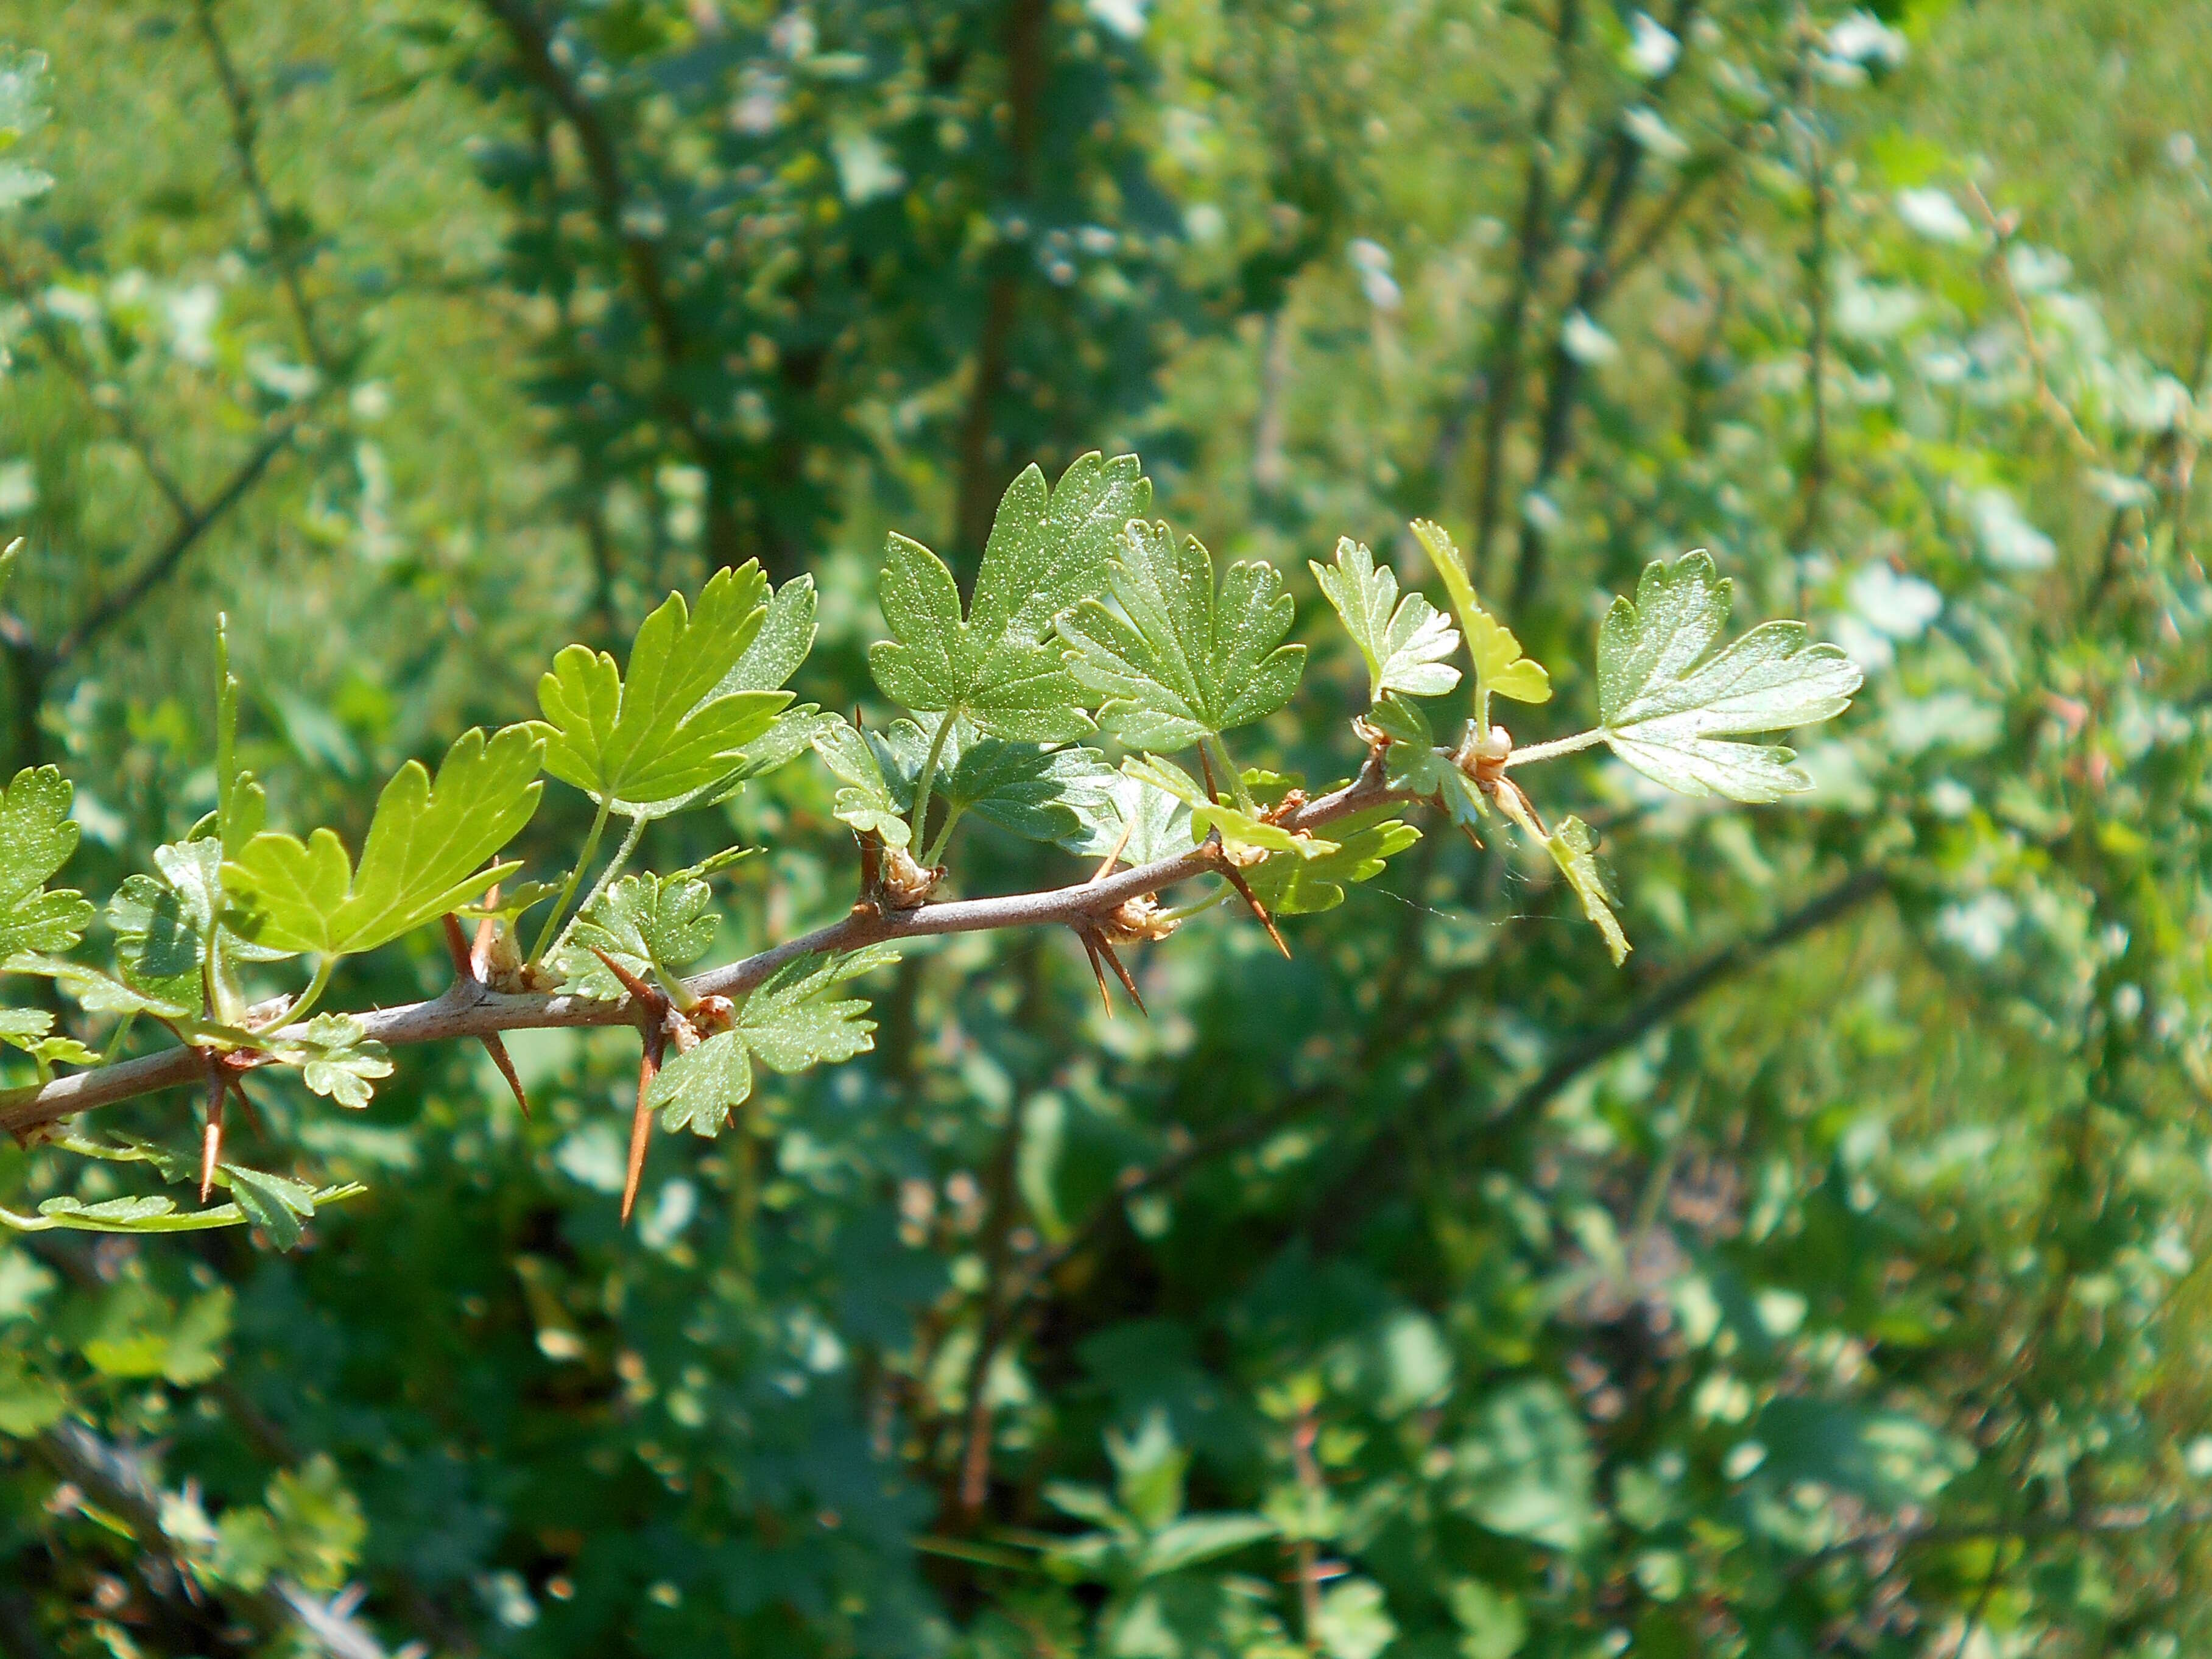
{"x":1666,"y":706}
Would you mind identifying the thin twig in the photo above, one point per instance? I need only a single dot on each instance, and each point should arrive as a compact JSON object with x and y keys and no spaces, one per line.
{"x":2001,"y":232}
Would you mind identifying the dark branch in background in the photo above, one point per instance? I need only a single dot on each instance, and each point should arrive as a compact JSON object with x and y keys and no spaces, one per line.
{"x":284,"y":250}
{"x":648,"y":276}
{"x":1672,"y":995}
{"x":31,"y":663}
{"x":120,"y":1483}
{"x":1502,"y":370}
{"x":159,"y":566}
{"x":471,"y":1010}
{"x":1813,"y":486}
{"x":1593,"y":280}
{"x":979,"y":482}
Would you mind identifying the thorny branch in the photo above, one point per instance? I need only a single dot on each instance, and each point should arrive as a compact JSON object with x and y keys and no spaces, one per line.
{"x":469,"y":1008}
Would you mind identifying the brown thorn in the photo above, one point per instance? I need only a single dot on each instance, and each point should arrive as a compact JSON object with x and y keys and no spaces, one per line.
{"x":1105,"y":867}
{"x":1091,"y":943}
{"x":211,"y":1137}
{"x":497,"y":1050}
{"x":456,"y":946}
{"x":1106,"y":950}
{"x":487,"y":935}
{"x":647,"y":997}
{"x":872,"y":869}
{"x":1244,"y":891}
{"x":252,"y":1116}
{"x":641,"y":1122}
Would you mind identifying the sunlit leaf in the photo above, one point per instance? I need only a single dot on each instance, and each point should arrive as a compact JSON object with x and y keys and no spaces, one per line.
{"x":425,"y":854}
{"x":1500,"y":670}
{"x":1180,"y":659}
{"x":1295,"y":887}
{"x":653,"y":737}
{"x":1406,"y":642}
{"x":36,"y":838}
{"x":1666,"y":706}
{"x":1048,"y":550}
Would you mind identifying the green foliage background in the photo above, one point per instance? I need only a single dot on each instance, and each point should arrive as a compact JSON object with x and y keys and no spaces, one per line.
{"x":1825,"y":1280}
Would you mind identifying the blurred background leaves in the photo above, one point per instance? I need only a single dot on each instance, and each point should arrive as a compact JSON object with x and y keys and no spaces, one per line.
{"x":1825,"y":1281}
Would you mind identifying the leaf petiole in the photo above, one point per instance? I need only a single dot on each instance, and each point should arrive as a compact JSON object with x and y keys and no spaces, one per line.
{"x":1557,"y":746}
{"x":300,"y":1007}
{"x":545,"y":935}
{"x":631,"y":837}
{"x":925,"y":782}
{"x":944,"y":835}
{"x":1220,"y":895}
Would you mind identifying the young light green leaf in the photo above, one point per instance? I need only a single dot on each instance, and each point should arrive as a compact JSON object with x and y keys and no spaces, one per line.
{"x":664,"y":734}
{"x":1417,"y":765}
{"x":337,"y":1058}
{"x":866,"y":802}
{"x":643,"y":922}
{"x":1500,"y":670}
{"x":425,"y":854}
{"x":1048,"y":550}
{"x":168,"y":928}
{"x":1182,"y":661}
{"x":1298,"y":887}
{"x":1023,"y":787}
{"x":28,"y":1028}
{"x":788,"y":737}
{"x":276,"y":1204}
{"x":779,"y":646}
{"x":662,"y":919}
{"x":1572,"y":849}
{"x":1237,"y":827}
{"x":36,"y":838}
{"x":101,"y":994}
{"x":1406,"y":641}
{"x":515,"y":899}
{"x":792,"y":1021}
{"x":785,"y":636}
{"x":699,"y":1089}
{"x":153,"y":1214}
{"x":1145,"y":821}
{"x":1667,"y":713}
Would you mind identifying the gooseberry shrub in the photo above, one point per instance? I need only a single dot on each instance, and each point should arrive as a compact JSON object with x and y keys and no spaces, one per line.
{"x":1092,"y":632}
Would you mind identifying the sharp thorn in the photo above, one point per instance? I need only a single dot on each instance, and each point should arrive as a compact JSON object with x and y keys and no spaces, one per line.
{"x":1128,"y":984}
{"x":500,"y":1058}
{"x":1097,"y":969}
{"x":252,"y":1116}
{"x":1105,"y":867}
{"x":487,"y":936}
{"x":457,"y":946}
{"x":641,"y":1123}
{"x":646,"y":996}
{"x":211,"y":1136}
{"x":1244,"y":891}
